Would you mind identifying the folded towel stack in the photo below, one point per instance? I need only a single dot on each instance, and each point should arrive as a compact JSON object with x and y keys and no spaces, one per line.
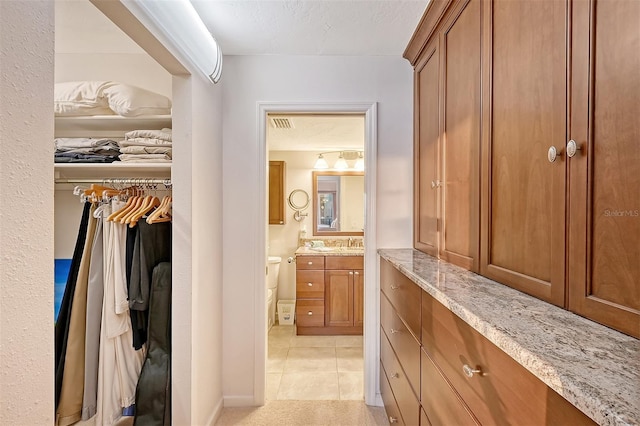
{"x":146,"y":146}
{"x":85,"y":150}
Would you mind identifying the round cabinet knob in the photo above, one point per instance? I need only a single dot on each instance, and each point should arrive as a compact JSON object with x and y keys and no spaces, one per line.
{"x":395,"y":375}
{"x":310,"y":263}
{"x":393,"y":419}
{"x":552,"y":154}
{"x":394,"y":331}
{"x":394,"y":287}
{"x":357,"y":273}
{"x":469,"y":372}
{"x":310,"y":284}
{"x":572,"y":148}
{"x":310,"y":313}
{"x":350,"y":272}
{"x":435,"y":184}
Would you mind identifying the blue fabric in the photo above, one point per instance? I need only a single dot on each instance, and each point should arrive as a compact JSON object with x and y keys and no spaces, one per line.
{"x":61,"y":272}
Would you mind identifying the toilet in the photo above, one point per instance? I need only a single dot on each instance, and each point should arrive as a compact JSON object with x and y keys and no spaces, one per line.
{"x":272,"y":289}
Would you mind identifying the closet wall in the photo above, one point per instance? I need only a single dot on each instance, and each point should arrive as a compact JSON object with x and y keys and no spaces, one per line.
{"x":26,"y":222}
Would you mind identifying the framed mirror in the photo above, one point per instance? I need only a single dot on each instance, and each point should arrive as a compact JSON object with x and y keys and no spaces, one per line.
{"x":338,"y":203}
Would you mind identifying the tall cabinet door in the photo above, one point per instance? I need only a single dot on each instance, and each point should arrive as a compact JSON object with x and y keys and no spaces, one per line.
{"x":460,"y":138}
{"x":426,"y":152}
{"x":604,"y":193}
{"x":338,"y":301}
{"x":523,"y":206}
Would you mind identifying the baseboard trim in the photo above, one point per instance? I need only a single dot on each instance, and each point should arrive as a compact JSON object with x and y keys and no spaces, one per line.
{"x":215,"y":415}
{"x":239,"y":401}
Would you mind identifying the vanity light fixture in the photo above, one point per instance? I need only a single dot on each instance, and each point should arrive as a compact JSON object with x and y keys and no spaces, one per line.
{"x":321,"y":163}
{"x":183,"y":28}
{"x":341,"y":162}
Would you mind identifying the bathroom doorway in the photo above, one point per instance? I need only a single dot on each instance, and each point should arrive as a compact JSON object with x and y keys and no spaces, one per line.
{"x":329,"y":367}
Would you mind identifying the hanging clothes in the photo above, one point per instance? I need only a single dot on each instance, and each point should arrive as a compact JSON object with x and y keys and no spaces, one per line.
{"x":95,"y":292}
{"x":153,"y":393}
{"x":119,"y":364}
{"x":70,"y":406}
{"x":64,"y":316}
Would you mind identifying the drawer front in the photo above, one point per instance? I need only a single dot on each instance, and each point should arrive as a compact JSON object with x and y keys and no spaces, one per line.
{"x":344,"y":262}
{"x":403,"y":342}
{"x":309,"y":262}
{"x":310,"y":313}
{"x":310,"y":284}
{"x":390,"y":405}
{"x":404,"y":395}
{"x":403,"y":294}
{"x":503,"y":392}
{"x":441,"y":403}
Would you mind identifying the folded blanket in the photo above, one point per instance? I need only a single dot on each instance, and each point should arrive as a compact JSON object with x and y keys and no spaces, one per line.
{"x":61,"y":143}
{"x":137,"y":149}
{"x":102,"y":150}
{"x":144,"y":142}
{"x":145,"y":160}
{"x":135,"y":158}
{"x":164,"y":134}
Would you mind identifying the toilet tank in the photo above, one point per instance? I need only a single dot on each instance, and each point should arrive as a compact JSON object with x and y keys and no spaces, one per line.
{"x":274,"y":271}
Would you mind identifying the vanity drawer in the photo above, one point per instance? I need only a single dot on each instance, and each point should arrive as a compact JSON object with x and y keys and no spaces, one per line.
{"x":441,"y":403}
{"x":310,"y":313}
{"x":390,"y":405}
{"x":344,"y":262}
{"x":310,"y":284}
{"x":402,"y":341}
{"x":403,"y":294}
{"x":404,"y":395}
{"x":309,"y":262}
{"x":502,"y":391}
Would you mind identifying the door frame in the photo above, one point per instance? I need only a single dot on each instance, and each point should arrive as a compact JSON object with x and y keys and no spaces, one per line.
{"x":371,"y":312}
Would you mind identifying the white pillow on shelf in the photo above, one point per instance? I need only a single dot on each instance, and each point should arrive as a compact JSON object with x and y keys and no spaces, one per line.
{"x":131,"y":101}
{"x":76,"y":98}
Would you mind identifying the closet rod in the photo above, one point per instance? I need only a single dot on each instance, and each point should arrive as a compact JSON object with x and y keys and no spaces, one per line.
{"x":120,"y":181}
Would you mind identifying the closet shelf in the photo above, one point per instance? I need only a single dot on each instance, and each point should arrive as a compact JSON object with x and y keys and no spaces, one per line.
{"x":117,"y":169}
{"x":107,"y":125}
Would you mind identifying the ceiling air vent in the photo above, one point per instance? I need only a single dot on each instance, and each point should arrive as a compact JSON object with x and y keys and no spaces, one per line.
{"x":281,"y":123}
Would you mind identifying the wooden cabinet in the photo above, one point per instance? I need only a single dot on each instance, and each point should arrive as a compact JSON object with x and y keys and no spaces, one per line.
{"x":447,"y":140}
{"x":500,"y":85}
{"x":604,"y":175}
{"x":277,"y":170}
{"x":333,"y":285}
{"x":451,"y":374}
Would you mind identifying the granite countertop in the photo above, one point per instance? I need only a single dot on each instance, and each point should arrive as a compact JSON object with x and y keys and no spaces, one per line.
{"x":330,"y":251}
{"x":595,"y":368}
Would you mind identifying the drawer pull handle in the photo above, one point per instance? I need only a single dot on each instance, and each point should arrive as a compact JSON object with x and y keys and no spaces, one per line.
{"x":468,"y":371}
{"x":394,"y":287}
{"x":394,"y":331}
{"x":310,"y":284}
{"x":393,"y":419}
{"x":310,"y":313}
{"x":310,"y":263}
{"x":395,"y":375}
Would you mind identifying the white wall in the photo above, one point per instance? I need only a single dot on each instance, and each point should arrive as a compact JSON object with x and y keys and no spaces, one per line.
{"x":252,"y":79}
{"x":131,"y":68}
{"x":26,"y":223}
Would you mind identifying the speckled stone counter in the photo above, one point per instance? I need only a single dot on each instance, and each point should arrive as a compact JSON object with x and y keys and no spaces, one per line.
{"x":341,"y":251}
{"x":595,"y":368}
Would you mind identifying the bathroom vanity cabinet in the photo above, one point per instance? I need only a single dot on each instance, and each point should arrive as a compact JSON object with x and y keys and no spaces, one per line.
{"x":329,"y":294}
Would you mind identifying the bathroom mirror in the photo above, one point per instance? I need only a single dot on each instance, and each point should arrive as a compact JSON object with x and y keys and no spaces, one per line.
{"x":338,"y":203}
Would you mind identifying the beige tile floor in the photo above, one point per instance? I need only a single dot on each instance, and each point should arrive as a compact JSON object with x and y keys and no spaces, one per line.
{"x":311,"y":368}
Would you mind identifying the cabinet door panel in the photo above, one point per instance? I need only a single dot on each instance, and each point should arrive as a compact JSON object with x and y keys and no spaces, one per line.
{"x":524,"y":212}
{"x":358,"y":298}
{"x":461,"y":138}
{"x":426,"y":153}
{"x":276,"y":192}
{"x":604,"y":245}
{"x":338,"y":298}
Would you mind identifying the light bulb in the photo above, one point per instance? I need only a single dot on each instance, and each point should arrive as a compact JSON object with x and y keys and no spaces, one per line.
{"x":341,"y":163}
{"x":359,"y":163}
{"x":321,"y":163}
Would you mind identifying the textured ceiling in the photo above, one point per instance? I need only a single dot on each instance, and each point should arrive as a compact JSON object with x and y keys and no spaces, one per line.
{"x":317,"y":132}
{"x":311,"y":27}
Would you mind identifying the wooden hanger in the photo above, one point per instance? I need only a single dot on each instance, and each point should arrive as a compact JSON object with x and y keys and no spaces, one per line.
{"x":161,"y":213}
{"x":149,"y":203}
